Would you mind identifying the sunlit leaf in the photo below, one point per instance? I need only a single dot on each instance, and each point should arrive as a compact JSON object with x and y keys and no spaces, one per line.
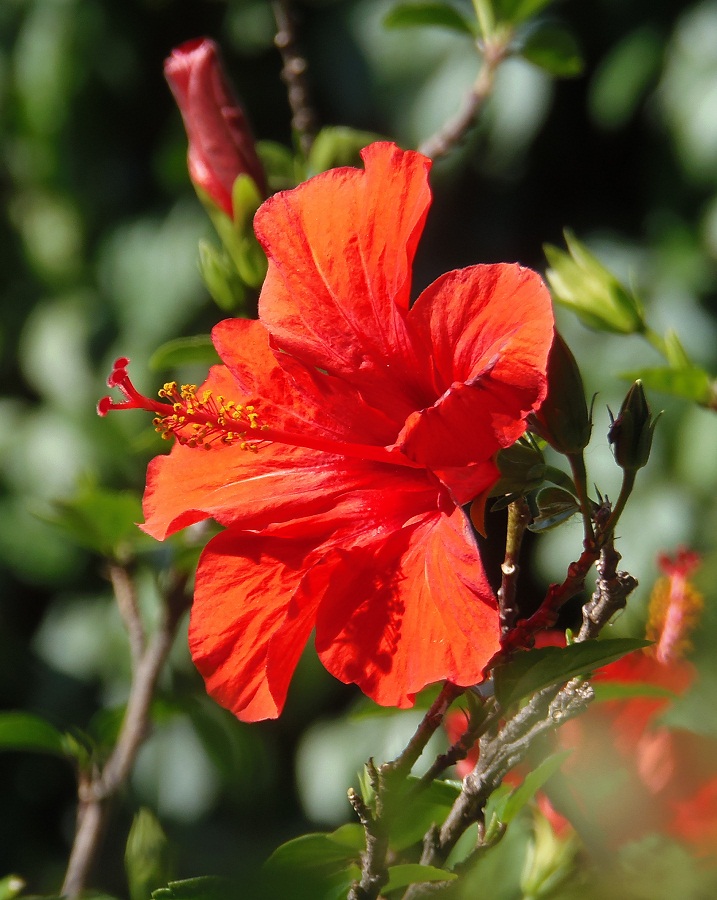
{"x":410,"y":15}
{"x":554,"y":49}
{"x":533,"y":670}
{"x":315,"y":865}
{"x":11,"y":886}
{"x":691,"y":383}
{"x":184,"y":351}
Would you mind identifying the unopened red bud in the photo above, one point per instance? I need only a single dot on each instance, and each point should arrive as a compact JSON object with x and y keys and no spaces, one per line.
{"x":563,"y":419}
{"x":221,"y":145}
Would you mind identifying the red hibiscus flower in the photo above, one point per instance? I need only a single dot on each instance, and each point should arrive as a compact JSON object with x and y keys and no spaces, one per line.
{"x":346,"y":429}
{"x":221,"y":145}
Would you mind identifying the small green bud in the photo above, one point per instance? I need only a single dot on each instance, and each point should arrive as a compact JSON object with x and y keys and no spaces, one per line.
{"x":631,"y":432}
{"x":563,"y":419}
{"x":147,"y":856}
{"x":581,"y":282}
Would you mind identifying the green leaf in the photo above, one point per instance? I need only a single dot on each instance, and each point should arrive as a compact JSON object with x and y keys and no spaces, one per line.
{"x":101,"y":520}
{"x":280,"y":165}
{"x":11,"y":886}
{"x":555,"y":50}
{"x":691,"y":383}
{"x":206,"y":887}
{"x":515,"y":11}
{"x":628,"y":690}
{"x":511,"y":805}
{"x":315,"y":866}
{"x":534,"y":670}
{"x":560,"y":478}
{"x":555,"y":506}
{"x":414,"y":873}
{"x":24,"y":731}
{"x":417,"y":812}
{"x":197,"y":350}
{"x":338,"y":146}
{"x":441,"y":15}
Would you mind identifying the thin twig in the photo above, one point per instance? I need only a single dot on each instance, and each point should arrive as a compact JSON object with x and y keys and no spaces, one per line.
{"x":519,"y":518}
{"x":96,"y":789}
{"x":125,"y":593}
{"x":453,"y":131}
{"x":293,"y":74}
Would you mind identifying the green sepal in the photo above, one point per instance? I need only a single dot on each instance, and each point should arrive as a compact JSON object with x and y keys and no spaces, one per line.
{"x":221,"y":277}
{"x":196,"y":350}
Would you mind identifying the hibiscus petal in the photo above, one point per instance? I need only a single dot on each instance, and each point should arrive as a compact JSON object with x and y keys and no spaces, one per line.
{"x":341,"y":247}
{"x":485,"y":333}
{"x":411,"y":611}
{"x":243,"y":600}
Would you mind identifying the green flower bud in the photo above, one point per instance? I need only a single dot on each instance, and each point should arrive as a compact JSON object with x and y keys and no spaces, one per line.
{"x":581,"y":282}
{"x":220,"y":276}
{"x":147,"y":856}
{"x":631,"y":432}
{"x":563,"y":419}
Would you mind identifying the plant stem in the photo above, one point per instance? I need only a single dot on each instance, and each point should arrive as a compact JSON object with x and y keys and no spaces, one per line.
{"x":519,"y":518}
{"x":294,"y":75}
{"x":452,"y":132}
{"x":95,"y":789}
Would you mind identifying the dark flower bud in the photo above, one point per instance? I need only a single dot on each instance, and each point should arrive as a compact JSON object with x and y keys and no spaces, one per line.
{"x":563,"y":419}
{"x":631,"y":432}
{"x":221,"y":145}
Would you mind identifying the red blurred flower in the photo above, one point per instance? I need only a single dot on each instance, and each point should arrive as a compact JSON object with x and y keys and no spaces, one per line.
{"x":629,"y":775}
{"x":221,"y":145}
{"x":363,"y":428}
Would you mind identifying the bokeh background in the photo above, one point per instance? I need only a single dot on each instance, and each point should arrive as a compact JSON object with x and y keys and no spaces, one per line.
{"x":98,"y":248}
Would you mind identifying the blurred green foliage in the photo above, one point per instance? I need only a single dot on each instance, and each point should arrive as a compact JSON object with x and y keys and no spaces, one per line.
{"x":99,"y":231}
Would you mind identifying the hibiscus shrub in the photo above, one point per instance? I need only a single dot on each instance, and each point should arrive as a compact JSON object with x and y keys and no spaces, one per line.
{"x":336,"y":488}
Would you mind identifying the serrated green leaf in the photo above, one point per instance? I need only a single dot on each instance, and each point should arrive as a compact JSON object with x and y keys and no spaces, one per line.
{"x":206,"y":887}
{"x":402,"y":875}
{"x":534,"y":670}
{"x":555,"y":506}
{"x":691,"y":384}
{"x":101,"y":520}
{"x":555,"y":50}
{"x":24,"y":731}
{"x":510,"y":806}
{"x":196,"y":350}
{"x":441,"y":15}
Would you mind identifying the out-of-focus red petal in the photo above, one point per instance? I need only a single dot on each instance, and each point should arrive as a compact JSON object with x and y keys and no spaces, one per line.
{"x":409,"y":611}
{"x":484,"y":333}
{"x":242,"y":601}
{"x":340,"y":250}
